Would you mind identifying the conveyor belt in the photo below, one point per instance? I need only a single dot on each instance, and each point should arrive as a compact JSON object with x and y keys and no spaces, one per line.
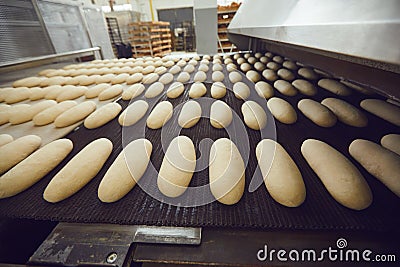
{"x":257,"y":209}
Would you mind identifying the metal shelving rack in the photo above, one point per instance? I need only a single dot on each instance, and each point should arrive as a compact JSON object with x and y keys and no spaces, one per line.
{"x":225,"y":15}
{"x":114,"y":33}
{"x":151,"y":38}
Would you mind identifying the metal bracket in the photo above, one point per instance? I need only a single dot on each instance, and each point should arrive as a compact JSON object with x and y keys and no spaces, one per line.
{"x":74,"y":244}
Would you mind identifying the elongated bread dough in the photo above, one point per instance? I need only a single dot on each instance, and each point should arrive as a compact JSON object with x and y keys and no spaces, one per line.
{"x":190,"y":114}
{"x":308,"y":73}
{"x":5,"y":139}
{"x":28,"y":82}
{"x":75,"y":114}
{"x":254,"y":115}
{"x":203,"y":67}
{"x":175,"y":69}
{"x":391,"y":142}
{"x":150,"y":78}
{"x":334,"y":87}
{"x":218,"y":90}
{"x":71,"y":93}
{"x":34,"y":167}
{"x":281,"y":175}
{"x":160,"y":115}
{"x":175,"y":90}
{"x":133,"y":113}
{"x":197,"y":90}
{"x":253,"y":76}
{"x":183,"y":77}
{"x":17,"y":95}
{"x":282,"y":110}
{"x":285,"y":88}
{"x":148,"y":70}
{"x":217,"y":76}
{"x":382,"y":109}
{"x":14,"y":109}
{"x":264,"y":90}
{"x":317,"y":113}
{"x":286,"y":74}
{"x":220,"y":114}
{"x":134,"y":78}
{"x":245,"y":67}
{"x":88,"y":80}
{"x":4,"y":107}
{"x":154,"y":90}
{"x":231,"y":67}
{"x":273,"y":66}
{"x":50,"y":114}
{"x":133,"y":91}
{"x":259,"y":66}
{"x":125,"y":171}
{"x":200,"y":76}
{"x":177,"y":167}
{"x":305,"y":87}
{"x":340,"y":177}
{"x":120,"y":78}
{"x":17,"y":150}
{"x":53,"y":91}
{"x":37,"y":93}
{"x":56,"y":80}
{"x":189,"y":68}
{"x":111,"y":92}
{"x":240,"y":61}
{"x":28,"y":113}
{"x":290,"y":65}
{"x":105,"y":78}
{"x":226,"y":172}
{"x":270,"y":75}
{"x":103,"y":115}
{"x":346,"y":112}
{"x":235,"y":77}
{"x":378,"y":161}
{"x":79,"y":171}
{"x":166,"y":78}
{"x":241,"y":90}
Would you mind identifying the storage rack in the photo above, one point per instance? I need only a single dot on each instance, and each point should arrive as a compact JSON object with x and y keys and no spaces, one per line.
{"x":114,"y":32}
{"x":225,"y":15}
{"x":186,"y":38}
{"x":152,"y":38}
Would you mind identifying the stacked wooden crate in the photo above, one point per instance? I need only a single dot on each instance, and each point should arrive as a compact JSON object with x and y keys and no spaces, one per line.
{"x":225,"y":15}
{"x":150,"y":38}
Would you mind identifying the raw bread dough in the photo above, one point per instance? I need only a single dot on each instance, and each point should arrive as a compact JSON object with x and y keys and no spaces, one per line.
{"x":111,"y":92}
{"x":150,"y":78}
{"x":273,"y":66}
{"x":218,"y":90}
{"x":285,"y":88}
{"x":203,"y":67}
{"x":154,"y":90}
{"x":218,"y":76}
{"x":264,"y":90}
{"x":282,"y":110}
{"x":134,"y":78}
{"x":190,"y":114}
{"x":50,"y":114}
{"x":305,"y":87}
{"x":75,"y":114}
{"x":56,"y":80}
{"x":105,"y":78}
{"x":391,"y":142}
{"x":340,"y":177}
{"x":37,"y":93}
{"x":175,"y":69}
{"x":27,"y":114}
{"x":382,"y":109}
{"x":226,"y":172}
{"x":241,"y":90}
{"x":200,"y":76}
{"x":253,"y":76}
{"x":346,"y":112}
{"x":28,"y":82}
{"x":189,"y":68}
{"x":235,"y":77}
{"x":125,"y":171}
{"x":71,"y":93}
{"x":217,"y":67}
{"x":378,"y":161}
{"x":17,"y":95}
{"x":120,"y":78}
{"x":270,"y":75}
{"x":245,"y":67}
{"x":259,"y":66}
{"x":166,"y":78}
{"x":220,"y":114}
{"x":280,"y":173}
{"x":278,"y":59}
{"x":103,"y":115}
{"x":53,"y":91}
{"x":308,"y":73}
{"x":254,"y":115}
{"x":175,"y":90}
{"x":334,"y":87}
{"x":160,"y":115}
{"x":14,"y":109}
{"x":290,"y":65}
{"x":79,"y":171}
{"x":14,"y":152}
{"x":183,"y":77}
{"x":286,"y":74}
{"x":5,"y":139}
{"x":133,"y":113}
{"x":34,"y":167}
{"x":133,"y":91}
{"x":231,"y":67}
{"x":197,"y":90}
{"x":148,"y":69}
{"x":177,"y":167}
{"x":317,"y":113}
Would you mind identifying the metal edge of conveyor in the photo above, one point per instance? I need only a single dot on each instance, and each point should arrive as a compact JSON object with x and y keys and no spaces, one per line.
{"x":75,"y":244}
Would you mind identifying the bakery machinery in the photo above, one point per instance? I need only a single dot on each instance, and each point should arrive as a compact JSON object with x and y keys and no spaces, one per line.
{"x":147,"y":228}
